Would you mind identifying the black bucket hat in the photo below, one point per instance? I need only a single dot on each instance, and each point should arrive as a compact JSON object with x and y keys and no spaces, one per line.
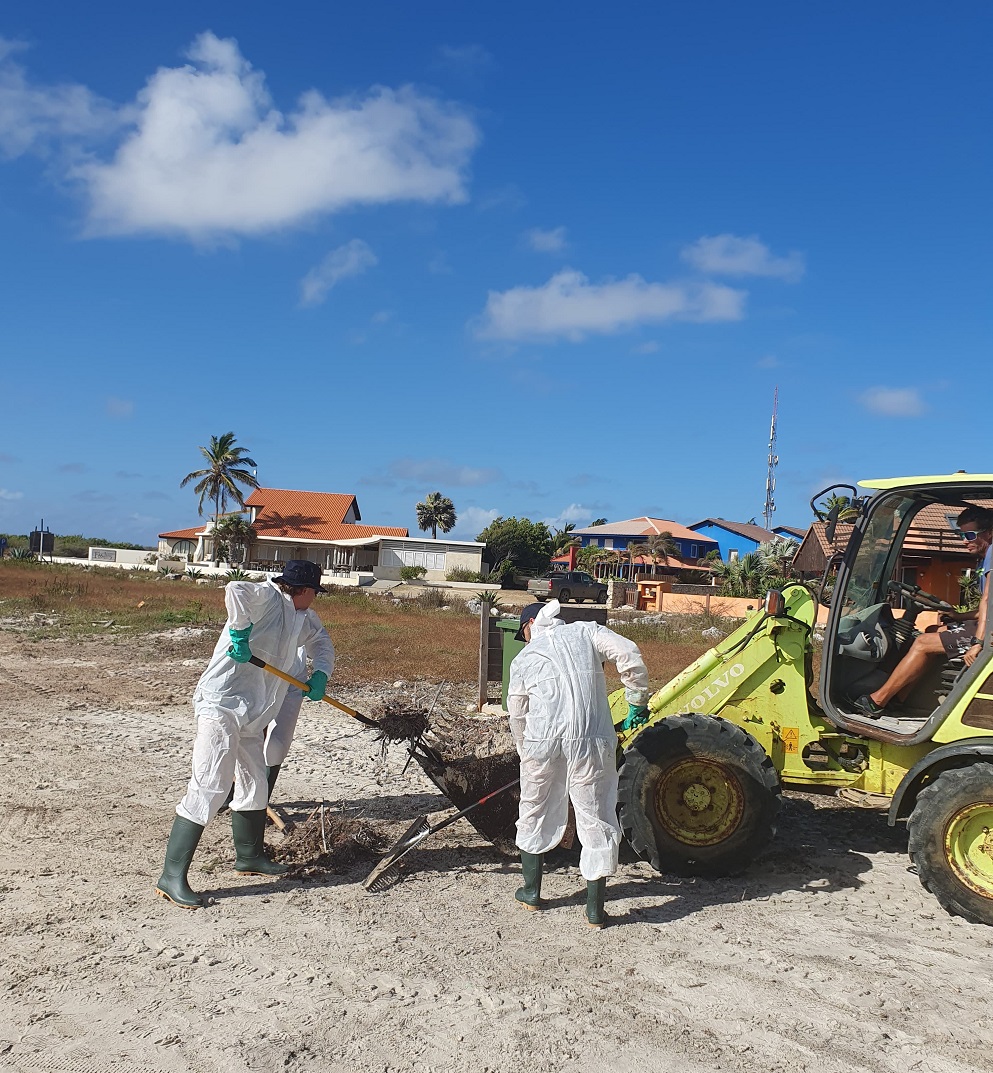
{"x":530,"y":612}
{"x":301,"y":573}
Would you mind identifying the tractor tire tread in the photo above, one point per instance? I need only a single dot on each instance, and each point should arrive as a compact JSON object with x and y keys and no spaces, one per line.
{"x":710,"y":733}
{"x":952,"y":789}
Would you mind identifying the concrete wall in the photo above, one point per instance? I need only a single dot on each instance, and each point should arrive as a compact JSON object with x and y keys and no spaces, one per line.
{"x":465,"y":558}
{"x":121,"y":556}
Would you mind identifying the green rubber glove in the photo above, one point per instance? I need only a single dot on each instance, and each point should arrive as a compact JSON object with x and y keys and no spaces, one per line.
{"x":316,"y":684}
{"x":637,"y":717}
{"x":239,"y":650}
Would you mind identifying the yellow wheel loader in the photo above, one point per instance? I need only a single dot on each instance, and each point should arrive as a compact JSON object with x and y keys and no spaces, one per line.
{"x":700,"y":783}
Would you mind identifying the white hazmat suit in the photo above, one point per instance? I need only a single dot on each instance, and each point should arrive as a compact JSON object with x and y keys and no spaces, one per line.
{"x":279,"y":732}
{"x":561,"y":723}
{"x":234,"y":702}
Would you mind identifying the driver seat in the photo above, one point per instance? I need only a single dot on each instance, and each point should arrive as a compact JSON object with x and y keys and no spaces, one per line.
{"x":950,"y":674}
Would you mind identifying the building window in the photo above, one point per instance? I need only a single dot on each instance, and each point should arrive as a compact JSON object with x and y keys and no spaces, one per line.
{"x":608,"y":543}
{"x":732,"y":555}
{"x":694,"y":551}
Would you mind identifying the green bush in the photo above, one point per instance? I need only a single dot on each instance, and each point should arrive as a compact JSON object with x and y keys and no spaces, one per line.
{"x":463,"y":573}
{"x":240,"y":575}
{"x":20,"y":553}
{"x":412,"y":573}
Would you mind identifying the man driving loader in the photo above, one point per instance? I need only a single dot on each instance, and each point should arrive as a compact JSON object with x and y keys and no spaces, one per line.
{"x":959,"y":636}
{"x":562,"y":727}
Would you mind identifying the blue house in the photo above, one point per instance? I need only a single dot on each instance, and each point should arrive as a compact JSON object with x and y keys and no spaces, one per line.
{"x":616,"y":536}
{"x":738,"y":539}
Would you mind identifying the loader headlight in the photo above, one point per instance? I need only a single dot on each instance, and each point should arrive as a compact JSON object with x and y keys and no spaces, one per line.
{"x":775,"y":603}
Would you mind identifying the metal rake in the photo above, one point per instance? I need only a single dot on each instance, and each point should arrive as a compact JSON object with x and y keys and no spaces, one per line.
{"x":385,"y":872}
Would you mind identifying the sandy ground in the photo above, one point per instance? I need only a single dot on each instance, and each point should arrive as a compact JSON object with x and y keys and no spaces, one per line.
{"x":827,"y":955}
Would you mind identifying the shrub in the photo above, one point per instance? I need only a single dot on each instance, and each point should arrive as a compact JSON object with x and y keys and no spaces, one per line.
{"x":20,"y":553}
{"x":433,"y":599}
{"x":412,"y":573}
{"x":239,"y":575}
{"x":463,"y":573}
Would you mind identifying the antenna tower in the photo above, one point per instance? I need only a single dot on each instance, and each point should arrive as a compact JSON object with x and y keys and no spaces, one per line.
{"x":770,"y":477}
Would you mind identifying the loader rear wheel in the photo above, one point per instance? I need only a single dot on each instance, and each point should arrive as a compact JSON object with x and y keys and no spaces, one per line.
{"x":951,"y":841}
{"x":698,"y":796}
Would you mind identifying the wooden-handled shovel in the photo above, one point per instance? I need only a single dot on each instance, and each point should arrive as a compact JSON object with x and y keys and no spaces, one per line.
{"x":257,"y":662}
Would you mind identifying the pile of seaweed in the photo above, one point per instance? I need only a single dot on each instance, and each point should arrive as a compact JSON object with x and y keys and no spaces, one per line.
{"x":467,"y":756}
{"x":327,"y":841}
{"x":398,"y":723}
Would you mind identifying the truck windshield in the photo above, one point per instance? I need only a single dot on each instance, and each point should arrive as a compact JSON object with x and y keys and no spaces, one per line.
{"x":875,"y":561}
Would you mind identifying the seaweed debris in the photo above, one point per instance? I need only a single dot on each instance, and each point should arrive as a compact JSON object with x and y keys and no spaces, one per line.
{"x":327,"y":842}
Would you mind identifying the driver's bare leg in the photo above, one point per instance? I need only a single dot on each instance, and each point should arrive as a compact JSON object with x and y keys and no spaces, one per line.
{"x":910,"y":668}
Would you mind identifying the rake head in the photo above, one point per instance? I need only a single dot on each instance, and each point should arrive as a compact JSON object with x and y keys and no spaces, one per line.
{"x":385,"y":872}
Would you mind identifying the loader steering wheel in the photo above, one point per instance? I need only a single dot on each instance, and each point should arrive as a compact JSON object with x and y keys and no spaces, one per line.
{"x":919,"y":596}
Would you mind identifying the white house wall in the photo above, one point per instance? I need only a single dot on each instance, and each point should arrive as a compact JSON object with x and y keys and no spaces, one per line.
{"x":436,"y":557}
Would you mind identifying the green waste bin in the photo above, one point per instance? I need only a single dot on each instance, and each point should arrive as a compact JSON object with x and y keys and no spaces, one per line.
{"x":510,"y":626}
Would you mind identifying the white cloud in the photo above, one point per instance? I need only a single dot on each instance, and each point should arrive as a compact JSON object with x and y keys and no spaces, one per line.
{"x":352,"y":259}
{"x":569,"y":306}
{"x":575,"y":513}
{"x":37,"y":119}
{"x":6,"y":494}
{"x":729,"y":255}
{"x":206,"y":154}
{"x":768,"y":361}
{"x":650,"y":346}
{"x":439,"y":472}
{"x":471,"y":521}
{"x":465,"y":59}
{"x":120,"y":407}
{"x":893,"y":401}
{"x":553,"y":241}
{"x":438,"y":265}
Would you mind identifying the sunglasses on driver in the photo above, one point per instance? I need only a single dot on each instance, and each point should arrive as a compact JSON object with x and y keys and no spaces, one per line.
{"x":967,"y":534}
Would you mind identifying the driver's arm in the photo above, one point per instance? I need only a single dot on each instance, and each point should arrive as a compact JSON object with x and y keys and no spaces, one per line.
{"x":973,"y":654}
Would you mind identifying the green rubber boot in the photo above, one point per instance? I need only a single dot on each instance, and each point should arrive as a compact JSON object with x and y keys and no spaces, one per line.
{"x":272,"y":773}
{"x":183,"y":841}
{"x":596,"y":891}
{"x":248,"y":831}
{"x":530,"y":894}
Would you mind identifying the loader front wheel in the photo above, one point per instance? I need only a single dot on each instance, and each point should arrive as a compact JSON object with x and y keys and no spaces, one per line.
{"x":698,"y":796}
{"x":951,"y":841}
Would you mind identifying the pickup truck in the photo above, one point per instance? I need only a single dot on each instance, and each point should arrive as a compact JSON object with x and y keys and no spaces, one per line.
{"x":566,"y":585}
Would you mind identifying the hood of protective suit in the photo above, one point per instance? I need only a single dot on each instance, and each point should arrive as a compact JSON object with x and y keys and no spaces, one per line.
{"x":547,"y":618}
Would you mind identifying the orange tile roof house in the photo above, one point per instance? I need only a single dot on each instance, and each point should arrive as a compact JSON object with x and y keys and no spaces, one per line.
{"x":326,"y":528}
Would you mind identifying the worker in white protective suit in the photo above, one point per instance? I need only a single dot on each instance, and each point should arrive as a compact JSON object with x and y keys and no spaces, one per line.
{"x":233,"y":703}
{"x":562,"y":726}
{"x":279,"y":733}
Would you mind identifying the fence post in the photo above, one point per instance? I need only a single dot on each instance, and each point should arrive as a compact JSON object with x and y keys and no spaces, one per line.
{"x":484,"y":652}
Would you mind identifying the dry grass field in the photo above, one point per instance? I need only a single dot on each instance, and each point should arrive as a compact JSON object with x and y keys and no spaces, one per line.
{"x":376,"y":637}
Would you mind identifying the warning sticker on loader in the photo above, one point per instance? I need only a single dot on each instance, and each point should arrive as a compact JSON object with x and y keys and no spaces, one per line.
{"x":790,"y":737}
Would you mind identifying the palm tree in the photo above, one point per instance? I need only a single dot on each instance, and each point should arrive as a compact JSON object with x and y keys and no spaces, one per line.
{"x":436,"y":512}
{"x":635,"y":551}
{"x":226,"y":470}
{"x":237,"y":533}
{"x":741,"y":577}
{"x":661,"y":546}
{"x":562,"y":539}
{"x":846,"y":511}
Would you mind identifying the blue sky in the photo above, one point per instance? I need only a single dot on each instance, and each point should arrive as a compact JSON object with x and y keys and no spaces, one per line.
{"x":551,"y":260}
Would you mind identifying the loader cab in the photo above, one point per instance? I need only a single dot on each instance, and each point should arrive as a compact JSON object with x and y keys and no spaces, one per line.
{"x":903,"y":564}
